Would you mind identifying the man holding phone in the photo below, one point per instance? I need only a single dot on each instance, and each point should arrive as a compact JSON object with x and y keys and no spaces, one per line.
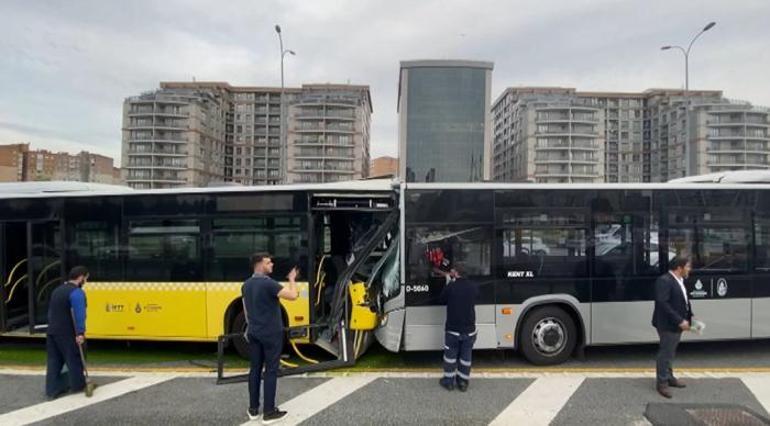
{"x":264,"y":332}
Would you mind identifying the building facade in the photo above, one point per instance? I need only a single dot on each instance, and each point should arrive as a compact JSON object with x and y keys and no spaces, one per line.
{"x":18,"y":163}
{"x":245,"y":135}
{"x":551,"y":134}
{"x":328,"y":133}
{"x":384,"y":167}
{"x":444,"y":120}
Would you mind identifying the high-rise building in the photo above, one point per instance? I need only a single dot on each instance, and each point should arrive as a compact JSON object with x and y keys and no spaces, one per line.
{"x":175,"y":136}
{"x":444,"y":120}
{"x":384,"y":166}
{"x":18,"y":164}
{"x":328,"y":136}
{"x":552,"y":134}
{"x":223,"y":133}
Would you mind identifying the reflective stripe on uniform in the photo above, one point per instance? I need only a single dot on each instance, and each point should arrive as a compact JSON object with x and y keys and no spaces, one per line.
{"x":450,"y":360}
{"x":465,"y":363}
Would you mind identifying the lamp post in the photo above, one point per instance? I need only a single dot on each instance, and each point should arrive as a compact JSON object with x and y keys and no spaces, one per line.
{"x":284,"y":148}
{"x":686,"y":53}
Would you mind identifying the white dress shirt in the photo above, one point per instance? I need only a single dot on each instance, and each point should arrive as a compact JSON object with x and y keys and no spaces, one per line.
{"x":681,"y":286}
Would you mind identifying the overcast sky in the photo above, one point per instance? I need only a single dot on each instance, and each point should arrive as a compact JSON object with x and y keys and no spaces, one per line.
{"x":66,"y":66}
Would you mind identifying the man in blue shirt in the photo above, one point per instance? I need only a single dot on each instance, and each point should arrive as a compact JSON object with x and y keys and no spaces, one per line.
{"x":66,"y":330}
{"x":459,"y":295}
{"x":261,"y":304}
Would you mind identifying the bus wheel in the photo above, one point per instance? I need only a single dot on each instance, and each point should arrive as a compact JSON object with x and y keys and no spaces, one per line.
{"x":547,"y":336}
{"x":239,"y":326}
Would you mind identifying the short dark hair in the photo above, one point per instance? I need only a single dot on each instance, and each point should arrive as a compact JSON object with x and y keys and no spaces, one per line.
{"x":679,"y":261}
{"x":77,"y":272}
{"x":259,"y":257}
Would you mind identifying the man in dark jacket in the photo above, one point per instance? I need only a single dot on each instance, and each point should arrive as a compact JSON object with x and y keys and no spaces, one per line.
{"x":672,"y":315}
{"x":264,"y":332}
{"x":66,"y":330}
{"x":459,"y":295}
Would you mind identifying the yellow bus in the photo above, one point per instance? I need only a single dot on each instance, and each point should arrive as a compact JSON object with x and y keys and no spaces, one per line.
{"x":169,"y":264}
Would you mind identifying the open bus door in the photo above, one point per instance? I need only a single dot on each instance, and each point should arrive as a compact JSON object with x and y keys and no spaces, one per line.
{"x":30,"y":268}
{"x":355,"y":235}
{"x":46,"y":270}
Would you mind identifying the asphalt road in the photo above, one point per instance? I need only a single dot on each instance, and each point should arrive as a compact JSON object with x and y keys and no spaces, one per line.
{"x":389,"y":399}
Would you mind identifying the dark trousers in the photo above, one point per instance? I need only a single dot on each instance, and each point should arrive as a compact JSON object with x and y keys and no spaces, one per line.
{"x":669,"y":340}
{"x":265,"y":352}
{"x":458,"y":348}
{"x":61,"y":350}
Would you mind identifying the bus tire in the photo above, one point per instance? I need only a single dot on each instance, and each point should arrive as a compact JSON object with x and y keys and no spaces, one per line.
{"x":240,"y":343}
{"x":548,"y":336}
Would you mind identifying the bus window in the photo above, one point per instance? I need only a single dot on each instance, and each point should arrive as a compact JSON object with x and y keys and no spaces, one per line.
{"x":164,"y":250}
{"x":545,"y":252}
{"x":762,"y":242}
{"x":712,"y":248}
{"x":431,"y":245}
{"x":236,"y":239}
{"x":96,"y":244}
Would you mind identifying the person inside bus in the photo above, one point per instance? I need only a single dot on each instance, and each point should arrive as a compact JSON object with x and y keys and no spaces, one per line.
{"x":672,"y":316}
{"x":459,"y":295}
{"x":66,"y":330}
{"x":264,"y":332}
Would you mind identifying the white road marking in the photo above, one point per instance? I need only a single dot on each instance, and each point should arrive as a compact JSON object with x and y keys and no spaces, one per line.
{"x":45,"y":410}
{"x":759,"y":385}
{"x":540,"y":402}
{"x":309,"y":403}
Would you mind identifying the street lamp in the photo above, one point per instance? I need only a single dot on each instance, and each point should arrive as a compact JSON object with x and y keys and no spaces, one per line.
{"x":284,"y":149}
{"x":686,"y":53}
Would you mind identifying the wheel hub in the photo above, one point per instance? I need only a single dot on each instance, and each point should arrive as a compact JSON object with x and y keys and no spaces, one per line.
{"x":549,"y":336}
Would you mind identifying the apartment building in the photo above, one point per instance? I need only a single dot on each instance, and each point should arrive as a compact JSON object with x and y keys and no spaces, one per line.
{"x":553,"y":134}
{"x":245,"y":135}
{"x":18,"y":163}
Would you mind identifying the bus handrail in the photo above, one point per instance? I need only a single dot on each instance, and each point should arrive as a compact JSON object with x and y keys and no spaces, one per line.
{"x":13,"y":287}
{"x":13,"y":271}
{"x":41,"y":274}
{"x":42,"y":290}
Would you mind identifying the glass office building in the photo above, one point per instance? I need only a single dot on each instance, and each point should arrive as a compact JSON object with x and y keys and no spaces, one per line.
{"x":444,"y":121}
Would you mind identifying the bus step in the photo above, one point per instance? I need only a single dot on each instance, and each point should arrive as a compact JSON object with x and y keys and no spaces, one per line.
{"x":324,"y":343}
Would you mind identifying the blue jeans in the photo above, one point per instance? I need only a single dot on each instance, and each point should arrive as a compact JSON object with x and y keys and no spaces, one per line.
{"x":458,"y":348}
{"x":264,"y":352}
{"x":62,"y":350}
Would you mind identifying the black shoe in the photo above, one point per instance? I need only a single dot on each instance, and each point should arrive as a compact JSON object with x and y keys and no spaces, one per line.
{"x":253,"y":414}
{"x":664,"y":391}
{"x":676,"y":383}
{"x":462,"y":386}
{"x":446,"y":384}
{"x":273,"y":416}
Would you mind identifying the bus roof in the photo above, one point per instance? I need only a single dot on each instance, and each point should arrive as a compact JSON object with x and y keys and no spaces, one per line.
{"x":81,"y":189}
{"x":735,"y":176}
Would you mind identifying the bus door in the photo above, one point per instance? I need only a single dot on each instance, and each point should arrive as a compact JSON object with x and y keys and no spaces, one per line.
{"x":719,"y":286}
{"x":45,"y":269}
{"x":351,"y":233}
{"x":14,"y":300}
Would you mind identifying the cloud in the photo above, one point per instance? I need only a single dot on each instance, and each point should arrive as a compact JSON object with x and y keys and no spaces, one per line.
{"x":65,"y":67}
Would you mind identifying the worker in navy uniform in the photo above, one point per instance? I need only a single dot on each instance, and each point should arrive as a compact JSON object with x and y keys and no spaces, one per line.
{"x":459,"y":295}
{"x":66,"y":330}
{"x":264,"y":332}
{"x":672,"y":316}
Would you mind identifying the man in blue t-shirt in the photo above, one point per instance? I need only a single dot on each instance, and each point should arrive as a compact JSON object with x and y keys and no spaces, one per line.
{"x":261,"y":304}
{"x":66,"y":330}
